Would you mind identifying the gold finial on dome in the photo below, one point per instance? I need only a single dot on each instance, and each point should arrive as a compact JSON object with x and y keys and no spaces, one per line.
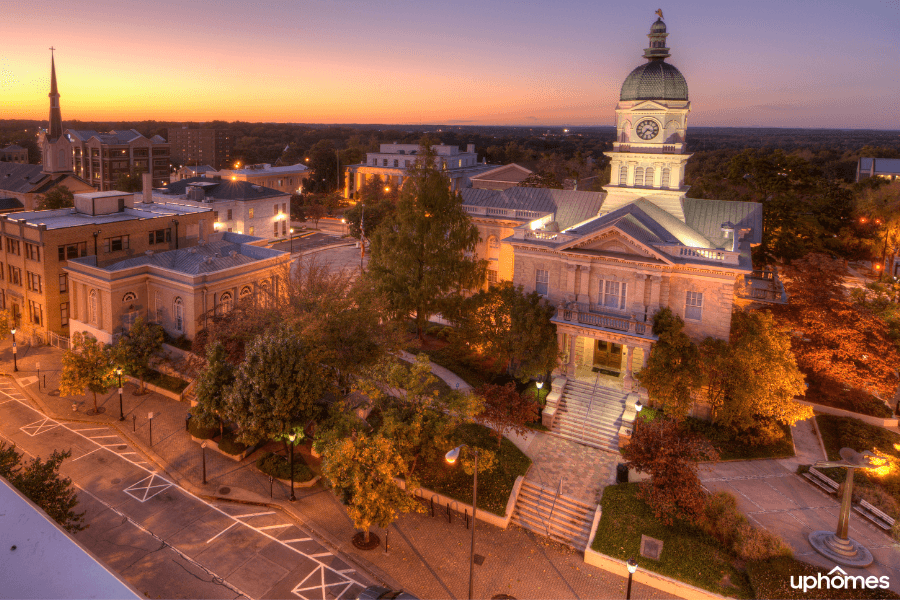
{"x":659,"y":13}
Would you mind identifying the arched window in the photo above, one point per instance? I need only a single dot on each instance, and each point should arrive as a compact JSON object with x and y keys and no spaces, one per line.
{"x":665,"y":178}
{"x":639,"y":176}
{"x":648,"y":176}
{"x":493,"y":248}
{"x":179,"y":314}
{"x":226,"y":302}
{"x":245,"y":292}
{"x":623,"y":175}
{"x":92,"y":310}
{"x":129,"y":297}
{"x":159,"y":306}
{"x":264,"y":294}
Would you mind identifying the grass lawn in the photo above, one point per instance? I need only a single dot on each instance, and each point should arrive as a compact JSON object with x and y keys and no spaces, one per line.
{"x":689,"y":554}
{"x":771,"y":579}
{"x":494,"y":487}
{"x":829,"y":392}
{"x":735,"y":447}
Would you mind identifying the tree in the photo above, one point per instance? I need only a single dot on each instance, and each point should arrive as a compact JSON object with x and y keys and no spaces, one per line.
{"x":40,"y":482}
{"x":87,"y":365}
{"x":379,"y":201}
{"x":880,"y":214}
{"x":425,"y":250}
{"x":212,"y":388}
{"x":669,"y":454}
{"x":505,"y":410}
{"x":281,"y":382}
{"x":673,"y":372}
{"x":542,"y":180}
{"x":130,"y":182}
{"x":58,"y":197}
{"x":363,"y":471}
{"x":511,"y":327}
{"x":137,"y":347}
{"x":314,"y":213}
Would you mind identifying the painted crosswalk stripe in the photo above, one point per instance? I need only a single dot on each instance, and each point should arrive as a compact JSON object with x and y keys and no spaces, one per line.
{"x":273,"y":526}
{"x":221,"y":532}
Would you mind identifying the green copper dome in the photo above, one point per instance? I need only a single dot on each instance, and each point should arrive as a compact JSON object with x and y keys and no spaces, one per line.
{"x":656,"y":80}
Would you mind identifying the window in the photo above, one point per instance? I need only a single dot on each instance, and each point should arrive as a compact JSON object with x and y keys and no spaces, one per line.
{"x":396,"y":163}
{"x":693,"y":306}
{"x":92,"y":308}
{"x":33,"y":281}
{"x":15,"y":275}
{"x":276,"y":228}
{"x":542,"y":282}
{"x":405,"y":163}
{"x":612,"y":294}
{"x":252,"y":230}
{"x":129,"y":297}
{"x":228,"y":218}
{"x":226,"y":303}
{"x":284,"y":228}
{"x":250,"y":213}
{"x":639,"y":176}
{"x":72,"y":250}
{"x":116,"y":244}
{"x":648,"y":176}
{"x":492,"y":278}
{"x":32,"y":251}
{"x":13,"y":247}
{"x":665,"y":178}
{"x":2,"y":299}
{"x":179,"y":314}
{"x":275,"y":211}
{"x":157,"y":301}
{"x":160,"y":236}
{"x":245,"y":292}
{"x":284,"y":207}
{"x":2,"y":272}
{"x":384,"y":162}
{"x":35,"y":312}
{"x":63,"y":283}
{"x":623,"y":175}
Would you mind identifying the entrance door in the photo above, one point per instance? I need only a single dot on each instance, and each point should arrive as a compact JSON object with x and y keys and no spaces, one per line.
{"x":608,"y":355}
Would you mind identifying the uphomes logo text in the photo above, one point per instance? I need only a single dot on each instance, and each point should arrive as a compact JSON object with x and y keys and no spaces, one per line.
{"x":837,"y":579}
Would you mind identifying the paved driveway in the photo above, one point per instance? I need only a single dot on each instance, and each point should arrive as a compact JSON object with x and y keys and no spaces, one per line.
{"x":166,"y":541}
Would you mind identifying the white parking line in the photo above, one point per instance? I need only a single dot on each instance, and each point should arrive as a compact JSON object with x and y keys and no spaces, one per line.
{"x":274,"y":526}
{"x":91,"y":429}
{"x":221,"y":532}
{"x":251,"y":515}
{"x":297,"y":540}
{"x":83,"y":455}
{"x":100,"y":437}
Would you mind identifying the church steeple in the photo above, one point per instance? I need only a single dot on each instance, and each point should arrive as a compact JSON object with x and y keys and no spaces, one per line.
{"x":54,"y":131}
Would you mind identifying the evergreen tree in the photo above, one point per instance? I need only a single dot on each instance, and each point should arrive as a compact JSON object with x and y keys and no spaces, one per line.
{"x":212,"y":388}
{"x":423,"y":252}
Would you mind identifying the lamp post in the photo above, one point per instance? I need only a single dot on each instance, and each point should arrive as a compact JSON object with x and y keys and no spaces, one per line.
{"x":540,"y":382}
{"x":121,"y":411}
{"x":632,"y":567}
{"x":291,"y":438}
{"x":15,"y":364}
{"x":203,"y":451}
{"x":150,"y":419}
{"x":451,"y":458}
{"x":362,"y":235}
{"x":292,"y":241}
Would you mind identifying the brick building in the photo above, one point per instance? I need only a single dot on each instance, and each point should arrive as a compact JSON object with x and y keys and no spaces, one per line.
{"x":201,"y":146}
{"x":14,"y":154}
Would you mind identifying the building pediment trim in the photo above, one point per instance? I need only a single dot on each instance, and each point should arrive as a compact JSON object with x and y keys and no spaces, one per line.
{"x":610,"y":233}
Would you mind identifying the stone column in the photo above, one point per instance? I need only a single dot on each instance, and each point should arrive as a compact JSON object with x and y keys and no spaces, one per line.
{"x":626,"y":357}
{"x":570,"y":368}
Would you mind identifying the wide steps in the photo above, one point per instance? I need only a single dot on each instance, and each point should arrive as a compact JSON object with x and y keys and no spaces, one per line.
{"x":590,"y":415}
{"x":567,"y":520}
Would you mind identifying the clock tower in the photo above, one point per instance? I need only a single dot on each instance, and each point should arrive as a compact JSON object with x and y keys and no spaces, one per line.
{"x":648,"y":156}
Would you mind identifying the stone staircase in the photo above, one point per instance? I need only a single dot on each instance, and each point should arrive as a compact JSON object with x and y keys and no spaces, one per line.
{"x":598,"y":428}
{"x":569,"y":523}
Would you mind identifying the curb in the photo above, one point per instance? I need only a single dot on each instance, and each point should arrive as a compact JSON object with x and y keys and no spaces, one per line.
{"x":326,"y":539}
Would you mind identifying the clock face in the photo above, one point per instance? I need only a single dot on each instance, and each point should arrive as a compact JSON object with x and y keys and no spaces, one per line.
{"x":647,"y":129}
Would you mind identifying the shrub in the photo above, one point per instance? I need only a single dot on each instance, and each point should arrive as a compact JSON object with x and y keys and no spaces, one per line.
{"x":279,"y":466}
{"x":875,"y":496}
{"x":229,"y":445}
{"x":772,"y":579}
{"x":203,"y":433}
{"x":723,"y":521}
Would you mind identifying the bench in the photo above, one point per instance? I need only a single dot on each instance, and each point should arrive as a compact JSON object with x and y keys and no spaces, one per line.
{"x":825,"y":483}
{"x":877,"y":517}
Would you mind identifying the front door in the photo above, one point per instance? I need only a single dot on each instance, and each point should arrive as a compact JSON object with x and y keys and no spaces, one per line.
{"x":608,"y":355}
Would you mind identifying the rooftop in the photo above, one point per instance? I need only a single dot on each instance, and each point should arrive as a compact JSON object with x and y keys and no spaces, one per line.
{"x":266,"y":169}
{"x":69,"y":217}
{"x":883,"y":166}
{"x":12,"y":148}
{"x":220,"y":189}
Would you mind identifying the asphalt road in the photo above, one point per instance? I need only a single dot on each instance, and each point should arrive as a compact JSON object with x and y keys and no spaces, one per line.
{"x":164,"y":540}
{"x":308,"y":240}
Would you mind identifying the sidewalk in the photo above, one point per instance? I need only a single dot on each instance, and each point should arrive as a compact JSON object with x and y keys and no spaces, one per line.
{"x":427,"y":555}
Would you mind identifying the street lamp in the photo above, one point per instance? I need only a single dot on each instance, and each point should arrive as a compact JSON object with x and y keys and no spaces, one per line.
{"x":451,"y":458}
{"x":15,"y":364}
{"x":292,"y":437}
{"x":203,"y":451}
{"x":121,"y":412}
{"x":632,"y":567}
{"x":638,"y":407}
{"x":150,"y":419}
{"x":540,"y":382}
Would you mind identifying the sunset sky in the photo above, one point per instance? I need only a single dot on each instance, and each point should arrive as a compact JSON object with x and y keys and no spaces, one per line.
{"x":755,"y":63}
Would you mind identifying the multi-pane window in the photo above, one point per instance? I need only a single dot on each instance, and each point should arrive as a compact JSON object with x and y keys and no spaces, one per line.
{"x":284,"y":207}
{"x":252,"y":230}
{"x":275,"y":211}
{"x":228,"y":218}
{"x":693,"y":306}
{"x":15,"y":275}
{"x":623,"y":175}
{"x":36,"y":312}
{"x":13,"y":246}
{"x":284,"y":228}
{"x":226,"y":303}
{"x":72,"y":250}
{"x":92,"y":308}
{"x":116,"y":244}
{"x":33,"y":281}
{"x":648,"y":176}
{"x":492,"y":278}
{"x":384,"y":162}
{"x":161,"y":236}
{"x":2,"y":272}
{"x":276,"y":228}
{"x":63,"y":283}
{"x":542,"y":282}
{"x":639,"y":176}
{"x":665,"y":178}
{"x":32,"y":251}
{"x":249,"y":213}
{"x":612,"y":294}
{"x":64,"y":313}
{"x":179,"y":315}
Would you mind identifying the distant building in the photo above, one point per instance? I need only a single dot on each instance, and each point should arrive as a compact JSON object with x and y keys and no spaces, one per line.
{"x":14,"y":154}
{"x":288,"y":179}
{"x":392,"y":160}
{"x":887,"y":168}
{"x":188,"y":172}
{"x":21,"y":184}
{"x":201,"y":146}
{"x":178,"y":289}
{"x":111,"y":226}
{"x":240,"y":206}
{"x":501,"y":178}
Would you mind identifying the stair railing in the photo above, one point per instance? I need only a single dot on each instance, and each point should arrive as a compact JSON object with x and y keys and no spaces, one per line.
{"x":590,"y":404}
{"x":552,"y":508}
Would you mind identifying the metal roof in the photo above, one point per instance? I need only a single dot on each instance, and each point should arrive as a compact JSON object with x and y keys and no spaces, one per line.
{"x":655,"y":80}
{"x":269,"y":170}
{"x":567,"y":206}
{"x":231,"y":251}
{"x":883,"y":166}
{"x":16,"y":177}
{"x":223,"y":189}
{"x":707,"y":217}
{"x":12,"y":148}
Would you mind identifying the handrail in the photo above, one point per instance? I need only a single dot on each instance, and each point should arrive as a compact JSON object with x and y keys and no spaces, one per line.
{"x":590,"y":404}
{"x":552,"y":508}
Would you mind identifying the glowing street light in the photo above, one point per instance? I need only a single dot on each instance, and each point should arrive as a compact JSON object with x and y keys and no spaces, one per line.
{"x":451,"y":458}
{"x":632,"y":568}
{"x":15,"y":364}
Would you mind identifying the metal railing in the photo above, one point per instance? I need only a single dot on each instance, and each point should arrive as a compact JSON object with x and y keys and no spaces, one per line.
{"x":553,"y":507}
{"x":624,"y":324}
{"x":590,"y":404}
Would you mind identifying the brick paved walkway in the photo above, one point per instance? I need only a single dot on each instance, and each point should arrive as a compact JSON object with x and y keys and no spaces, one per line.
{"x":584,"y":471}
{"x":427,"y":556}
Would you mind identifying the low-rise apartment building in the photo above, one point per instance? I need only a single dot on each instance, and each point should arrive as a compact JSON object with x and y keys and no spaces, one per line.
{"x":288,"y":179}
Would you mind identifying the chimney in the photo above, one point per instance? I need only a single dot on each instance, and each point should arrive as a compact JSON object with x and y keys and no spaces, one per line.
{"x":148,"y":188}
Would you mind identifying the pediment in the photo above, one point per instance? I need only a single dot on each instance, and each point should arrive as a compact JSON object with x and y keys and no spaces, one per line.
{"x":648,"y":105}
{"x":613,"y":241}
